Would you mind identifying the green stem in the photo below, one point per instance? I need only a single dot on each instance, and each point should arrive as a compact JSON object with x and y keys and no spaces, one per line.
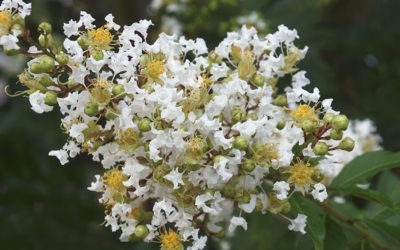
{"x":356,"y":226}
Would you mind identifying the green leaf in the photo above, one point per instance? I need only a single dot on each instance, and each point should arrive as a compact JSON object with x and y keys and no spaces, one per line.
{"x":335,"y":237}
{"x":388,"y":233}
{"x":371,"y":195}
{"x":364,"y":167}
{"x":315,"y":227}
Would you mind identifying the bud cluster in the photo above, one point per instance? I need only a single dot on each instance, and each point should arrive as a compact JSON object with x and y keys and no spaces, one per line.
{"x":189,"y":139}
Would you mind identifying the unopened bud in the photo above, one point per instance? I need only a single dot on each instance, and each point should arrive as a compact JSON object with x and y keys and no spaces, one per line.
{"x":42,"y":40}
{"x":328,"y":118}
{"x":346,"y":144}
{"x":248,"y":165}
{"x":62,"y":59}
{"x":241,"y":143}
{"x":91,"y":109}
{"x":144,"y":124}
{"x":97,"y":54}
{"x":259,"y":80}
{"x":44,"y":28}
{"x":280,"y":101}
{"x":308,"y":126}
{"x":238,"y":114}
{"x":50,"y":98}
{"x":47,"y":63}
{"x":252,"y":116}
{"x":340,"y":122}
{"x":36,"y":68}
{"x":320,"y":148}
{"x":280,"y":125}
{"x":336,"y":134}
{"x":141,"y":231}
{"x":118,"y":90}
{"x":82,"y":41}
{"x":44,"y":80}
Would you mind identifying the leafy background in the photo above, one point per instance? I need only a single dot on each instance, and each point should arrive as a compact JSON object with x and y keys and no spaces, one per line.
{"x":354,"y":57}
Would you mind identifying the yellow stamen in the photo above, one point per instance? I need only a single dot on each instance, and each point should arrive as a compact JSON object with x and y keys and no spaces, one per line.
{"x":114,"y":179}
{"x":100,"y":38}
{"x":301,"y":174}
{"x":5,"y":21}
{"x":304,"y":112}
{"x":170,"y":240}
{"x":156,"y":68}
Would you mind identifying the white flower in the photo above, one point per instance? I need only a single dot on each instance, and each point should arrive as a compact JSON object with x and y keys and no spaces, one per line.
{"x":237,"y":221}
{"x":97,"y":186}
{"x":37,"y":102}
{"x":298,"y":224}
{"x":61,"y":154}
{"x":9,"y":42}
{"x":319,"y":193}
{"x":281,"y":188}
{"x":175,"y":177}
{"x":110,"y":22}
{"x":71,"y":28}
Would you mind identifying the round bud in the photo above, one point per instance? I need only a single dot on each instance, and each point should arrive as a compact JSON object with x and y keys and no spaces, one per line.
{"x":320,"y":148}
{"x":328,"y":118}
{"x":336,"y":134}
{"x":252,"y":116}
{"x":241,"y":143}
{"x":346,"y":144}
{"x":42,"y":40}
{"x":44,"y":28}
{"x":248,"y":165}
{"x":83,"y":42}
{"x":340,"y":122}
{"x":259,"y":80}
{"x":118,"y":90}
{"x":47,"y":63}
{"x":280,"y":101}
{"x":144,"y":124}
{"x":50,"y":98}
{"x":97,"y":54}
{"x":36,"y":68}
{"x":110,"y":115}
{"x":141,"y":231}
{"x":91,"y":109}
{"x":280,"y":125}
{"x":238,"y":114}
{"x":17,"y":28}
{"x":62,"y":59}
{"x":308,"y":126}
{"x":44,"y":80}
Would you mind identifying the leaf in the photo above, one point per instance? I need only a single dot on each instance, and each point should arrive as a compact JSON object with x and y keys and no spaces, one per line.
{"x":371,"y":195}
{"x":365,"y":166}
{"x":335,"y":237}
{"x":315,"y":219}
{"x":389,"y":233}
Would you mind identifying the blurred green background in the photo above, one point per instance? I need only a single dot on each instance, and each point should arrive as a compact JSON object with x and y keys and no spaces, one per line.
{"x":354,"y":57}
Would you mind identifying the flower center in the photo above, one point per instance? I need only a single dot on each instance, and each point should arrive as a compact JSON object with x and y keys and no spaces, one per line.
{"x":304,"y":112}
{"x":100,"y":38}
{"x":170,"y":240}
{"x":301,"y":174}
{"x":156,"y":68}
{"x":114,"y":179}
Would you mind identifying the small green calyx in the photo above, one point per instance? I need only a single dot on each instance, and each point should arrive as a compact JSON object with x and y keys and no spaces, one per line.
{"x":280,"y":125}
{"x":340,"y":122}
{"x":91,"y":109}
{"x":259,"y":80}
{"x":308,"y":126}
{"x":144,"y":124}
{"x":336,"y":134}
{"x":141,"y":231}
{"x":248,"y":165}
{"x":118,"y":90}
{"x":62,"y":59}
{"x":328,"y":118}
{"x":280,"y":101}
{"x":346,"y":144}
{"x":241,"y":143}
{"x":50,"y":98}
{"x":45,"y":28}
{"x":238,"y":114}
{"x":320,"y":148}
{"x":97,"y":54}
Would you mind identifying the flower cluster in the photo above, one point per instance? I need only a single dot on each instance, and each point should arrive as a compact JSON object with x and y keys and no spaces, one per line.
{"x":189,"y":139}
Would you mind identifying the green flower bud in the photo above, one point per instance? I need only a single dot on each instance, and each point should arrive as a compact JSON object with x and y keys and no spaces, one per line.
{"x":336,"y":134}
{"x":328,"y":118}
{"x":242,"y":196}
{"x":83,"y":42}
{"x":50,"y":98}
{"x":280,"y":125}
{"x":144,"y":124}
{"x":42,"y":40}
{"x":101,"y":96}
{"x":47,"y":63}
{"x":19,"y":28}
{"x":252,"y":116}
{"x":44,"y":80}
{"x":44,"y":28}
{"x":141,"y":231}
{"x":118,"y":90}
{"x":308,"y":126}
{"x":259,"y":80}
{"x":36,"y":68}
{"x":340,"y":122}
{"x":62,"y":59}
{"x":346,"y":144}
{"x":238,"y":114}
{"x":217,"y":158}
{"x":91,"y":109}
{"x":241,"y":143}
{"x":110,"y":115}
{"x":320,"y":148}
{"x":97,"y":54}
{"x":248,"y":165}
{"x":280,"y":101}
